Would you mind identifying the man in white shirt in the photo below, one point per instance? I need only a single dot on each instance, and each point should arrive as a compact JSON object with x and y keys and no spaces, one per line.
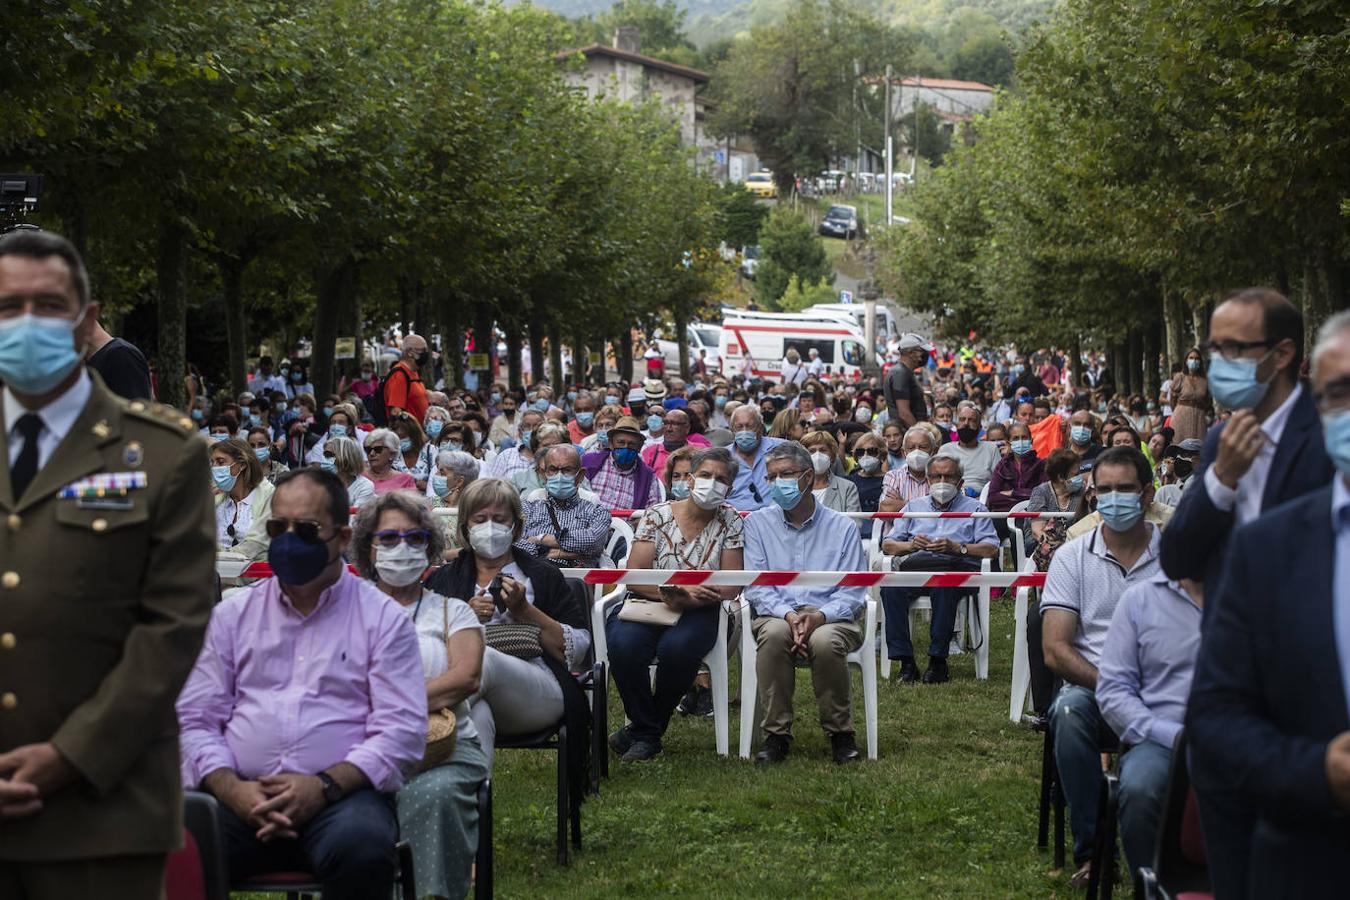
{"x":815,"y":366}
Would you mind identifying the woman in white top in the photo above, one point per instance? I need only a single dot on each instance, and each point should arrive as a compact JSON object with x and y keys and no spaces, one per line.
{"x":343,"y":457}
{"x":243,"y":499}
{"x":393,"y":541}
{"x":342,"y":422}
{"x":700,"y":532}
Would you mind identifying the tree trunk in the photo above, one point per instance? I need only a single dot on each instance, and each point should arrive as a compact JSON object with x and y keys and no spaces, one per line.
{"x":1321,"y":290}
{"x":1152,"y":354}
{"x":514,"y":365}
{"x":232,"y":282}
{"x":172,"y":350}
{"x":1119,"y":367}
{"x":452,"y":339}
{"x":556,"y":378}
{"x":1135,"y":360}
{"x":681,"y":328}
{"x":1200,"y":322}
{"x":358,"y":333}
{"x":1075,"y":361}
{"x":624,"y":357}
{"x":600,"y":373}
{"x":483,"y":341}
{"x":580,"y":357}
{"x":536,"y":351}
{"x":1174,"y":322}
{"x":331,"y":285}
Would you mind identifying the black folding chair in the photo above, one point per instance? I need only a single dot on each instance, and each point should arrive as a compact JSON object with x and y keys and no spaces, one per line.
{"x":482,"y":868}
{"x":1105,"y":861}
{"x":1180,"y":862}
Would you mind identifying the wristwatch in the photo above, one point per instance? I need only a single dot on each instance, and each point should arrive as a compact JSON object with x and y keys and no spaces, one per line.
{"x":332,"y":791}
{"x":963,"y":549}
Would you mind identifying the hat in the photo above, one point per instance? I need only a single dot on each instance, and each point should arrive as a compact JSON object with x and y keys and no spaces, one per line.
{"x":910,"y":341}
{"x":637,"y":395}
{"x":1190,"y":445}
{"x":627,"y":423}
{"x":654,"y":390}
{"x":675,"y":403}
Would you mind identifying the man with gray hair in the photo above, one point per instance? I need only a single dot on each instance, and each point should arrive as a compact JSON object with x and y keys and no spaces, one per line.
{"x":751,"y":490}
{"x":934,"y":545}
{"x":563,"y":528}
{"x":818,"y":624}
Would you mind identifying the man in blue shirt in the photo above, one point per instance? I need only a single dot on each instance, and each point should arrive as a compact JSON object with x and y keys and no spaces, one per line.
{"x":818,"y":624}
{"x":1143,"y":679}
{"x":751,"y":490}
{"x":934,"y":545}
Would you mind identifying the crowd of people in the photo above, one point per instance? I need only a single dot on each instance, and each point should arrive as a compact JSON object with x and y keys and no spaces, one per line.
{"x":419,"y":535}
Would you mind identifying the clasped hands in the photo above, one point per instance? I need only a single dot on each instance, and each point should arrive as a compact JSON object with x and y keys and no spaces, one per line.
{"x":801,"y":623}
{"x":692,"y":597}
{"x":936,"y":545}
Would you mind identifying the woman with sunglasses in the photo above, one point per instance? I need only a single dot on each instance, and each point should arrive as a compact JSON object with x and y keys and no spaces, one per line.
{"x":869,"y":456}
{"x":394,"y":539}
{"x":345,"y":459}
{"x":243,"y":499}
{"x":383,"y":458}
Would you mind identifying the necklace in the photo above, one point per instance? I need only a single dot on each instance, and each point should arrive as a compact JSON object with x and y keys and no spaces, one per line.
{"x":418,"y":608}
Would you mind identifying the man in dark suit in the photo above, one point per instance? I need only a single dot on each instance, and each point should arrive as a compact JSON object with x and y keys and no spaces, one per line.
{"x":1268,"y":452}
{"x":1269,"y":730}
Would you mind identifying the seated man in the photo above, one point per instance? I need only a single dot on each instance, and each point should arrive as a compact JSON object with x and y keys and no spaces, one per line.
{"x":620,"y":479}
{"x":1082,"y":587}
{"x":905,"y":482}
{"x":564,"y":528}
{"x":818,"y":624}
{"x":934,"y":545}
{"x":307,"y":706}
{"x":1142,"y":685}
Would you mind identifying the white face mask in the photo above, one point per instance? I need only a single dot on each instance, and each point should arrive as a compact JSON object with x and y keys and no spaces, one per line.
{"x":401,"y":565}
{"x":917,"y":460}
{"x":491,"y":540}
{"x":943,"y":493}
{"x":862,"y":414}
{"x":868,"y":464}
{"x":820,"y":462}
{"x":708,"y":493}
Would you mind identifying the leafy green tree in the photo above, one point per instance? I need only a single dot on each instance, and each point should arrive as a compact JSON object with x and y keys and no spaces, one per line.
{"x":983,"y":57}
{"x":799,"y":296}
{"x":739,"y":216}
{"x":788,"y":247}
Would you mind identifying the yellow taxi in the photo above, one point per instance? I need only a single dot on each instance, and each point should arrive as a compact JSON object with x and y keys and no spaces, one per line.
{"x":761,"y":184}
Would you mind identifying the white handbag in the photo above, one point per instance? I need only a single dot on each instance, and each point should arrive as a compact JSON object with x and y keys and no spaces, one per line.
{"x":648,"y":612}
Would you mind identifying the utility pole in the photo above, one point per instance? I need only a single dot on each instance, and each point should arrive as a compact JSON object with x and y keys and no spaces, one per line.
{"x":914,"y":151}
{"x":889,"y":153}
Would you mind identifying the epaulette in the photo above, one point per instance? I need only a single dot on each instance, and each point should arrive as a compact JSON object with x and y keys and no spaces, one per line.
{"x":165,"y":416}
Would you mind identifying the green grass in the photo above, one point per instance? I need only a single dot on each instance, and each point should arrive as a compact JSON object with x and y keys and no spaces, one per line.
{"x":949,"y":809}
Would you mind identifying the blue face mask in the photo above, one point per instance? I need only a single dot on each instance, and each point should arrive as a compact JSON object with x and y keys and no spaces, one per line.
{"x":434,"y":428}
{"x":541,"y":404}
{"x":1080,"y":434}
{"x":585,"y":419}
{"x":679,"y":489}
{"x":405,"y":445}
{"x":294,"y":561}
{"x":1233,"y":382}
{"x":1075,"y":484}
{"x":1193,"y":365}
{"x":720,"y":401}
{"x":571,"y":395}
{"x":525,"y":437}
{"x":220,"y":437}
{"x":786,"y":492}
{"x":611,"y":400}
{"x":561,"y":487}
{"x":222,"y":477}
{"x":263,"y":453}
{"x":1336,"y":436}
{"x":454,"y":445}
{"x":327,"y":411}
{"x":328,"y":464}
{"x":495,"y":398}
{"x":602,"y":436}
{"x":440,"y":485}
{"x":1120,"y":510}
{"x":1021,"y":447}
{"x":654,"y":422}
{"x":297,"y":377}
{"x":747,"y":441}
{"x":337,"y":430}
{"x":197,"y":415}
{"x":37,"y":352}
{"x":624,"y":457}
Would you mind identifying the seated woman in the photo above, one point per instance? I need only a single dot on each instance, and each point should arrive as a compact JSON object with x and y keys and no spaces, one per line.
{"x":342,"y":422}
{"x":408,"y":458}
{"x":268,"y":453}
{"x":393,"y":540}
{"x":869,"y":454}
{"x":832,"y":491}
{"x":243,"y":499}
{"x":455,"y":471}
{"x":1014,"y":476}
{"x":382,"y":456}
{"x":505,"y":585}
{"x":679,"y":472}
{"x":700,"y":532}
{"x":343,"y":457}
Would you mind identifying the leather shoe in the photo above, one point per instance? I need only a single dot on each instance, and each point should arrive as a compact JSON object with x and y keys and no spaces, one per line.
{"x":776,"y":747}
{"x":937,"y":671}
{"x":642,"y":750}
{"x":621,"y":741}
{"x":909,"y":673}
{"x":845,"y":747}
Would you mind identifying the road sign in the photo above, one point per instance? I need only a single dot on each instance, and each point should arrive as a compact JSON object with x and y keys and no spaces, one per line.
{"x":845,"y":296}
{"x":344,"y":348}
{"x":720,"y":156}
{"x":478,"y":362}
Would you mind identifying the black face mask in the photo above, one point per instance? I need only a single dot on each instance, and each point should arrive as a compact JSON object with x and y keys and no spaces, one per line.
{"x":1183,"y":467}
{"x":967,"y":434}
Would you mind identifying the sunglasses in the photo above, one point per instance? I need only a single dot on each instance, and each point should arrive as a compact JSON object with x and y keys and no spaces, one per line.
{"x":307,"y":530}
{"x":371,"y":451}
{"x":415,"y":538}
{"x":867,"y":451}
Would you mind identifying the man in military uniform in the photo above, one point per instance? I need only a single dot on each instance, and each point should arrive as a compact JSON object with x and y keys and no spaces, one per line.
{"x":106,"y":583}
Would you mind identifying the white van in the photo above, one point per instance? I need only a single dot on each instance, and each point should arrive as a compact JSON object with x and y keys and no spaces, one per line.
{"x":754,"y":343}
{"x":699,"y":336}
{"x":857,"y":313}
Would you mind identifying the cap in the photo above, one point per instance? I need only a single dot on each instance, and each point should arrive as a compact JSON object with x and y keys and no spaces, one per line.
{"x":654,"y":390}
{"x":637,"y":395}
{"x":627,"y":423}
{"x":910,"y":341}
{"x":1190,"y":445}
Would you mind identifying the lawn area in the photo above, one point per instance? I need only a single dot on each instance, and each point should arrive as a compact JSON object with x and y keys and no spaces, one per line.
{"x":949,"y":809}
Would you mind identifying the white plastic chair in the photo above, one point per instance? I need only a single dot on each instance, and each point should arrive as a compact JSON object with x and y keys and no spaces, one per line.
{"x":976,"y":616}
{"x":864,"y":658}
{"x":1021,"y":668}
{"x":984,"y":495}
{"x":619,"y":530}
{"x":716,"y":661}
{"x":1019,"y":544}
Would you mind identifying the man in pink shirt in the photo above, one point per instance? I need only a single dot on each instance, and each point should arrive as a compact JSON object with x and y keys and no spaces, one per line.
{"x":674,"y":436}
{"x":307,"y":706}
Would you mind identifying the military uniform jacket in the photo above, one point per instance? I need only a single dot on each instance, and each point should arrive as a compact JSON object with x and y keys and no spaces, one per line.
{"x":104,"y":602}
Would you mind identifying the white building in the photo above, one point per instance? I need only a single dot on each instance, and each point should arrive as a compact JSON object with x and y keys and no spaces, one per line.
{"x":953,"y":100}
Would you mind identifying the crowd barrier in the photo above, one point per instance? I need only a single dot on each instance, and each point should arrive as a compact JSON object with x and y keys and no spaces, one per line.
{"x":450,"y":512}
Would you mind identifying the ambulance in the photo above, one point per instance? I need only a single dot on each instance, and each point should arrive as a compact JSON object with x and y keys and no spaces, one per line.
{"x":753,"y":344}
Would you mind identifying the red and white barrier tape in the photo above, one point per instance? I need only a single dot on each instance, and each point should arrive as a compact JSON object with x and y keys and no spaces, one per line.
{"x":632,"y":513}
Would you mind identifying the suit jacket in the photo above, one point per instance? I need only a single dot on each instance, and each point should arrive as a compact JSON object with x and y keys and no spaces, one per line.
{"x":841,"y":495}
{"x":1267,"y":698}
{"x":102,"y":613}
{"x":1195,"y":541}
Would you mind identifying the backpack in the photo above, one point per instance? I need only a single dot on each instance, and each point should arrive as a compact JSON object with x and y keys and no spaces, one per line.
{"x":375,"y":405}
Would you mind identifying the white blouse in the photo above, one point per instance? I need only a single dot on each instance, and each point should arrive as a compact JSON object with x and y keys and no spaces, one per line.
{"x":576,"y":641}
{"x":429,"y":616}
{"x":240,"y":515}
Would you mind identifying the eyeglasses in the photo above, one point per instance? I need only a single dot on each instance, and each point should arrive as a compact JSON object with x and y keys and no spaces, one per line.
{"x":867,"y":451}
{"x":1231,"y":350}
{"x":371,"y":451}
{"x":307,"y":530}
{"x":415,"y":538}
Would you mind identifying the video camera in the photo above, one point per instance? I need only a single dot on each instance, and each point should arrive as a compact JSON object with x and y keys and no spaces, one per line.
{"x":19,"y":196}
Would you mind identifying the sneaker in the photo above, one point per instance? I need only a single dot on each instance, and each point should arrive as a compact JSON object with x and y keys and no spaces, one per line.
{"x":954,"y":648}
{"x":703,"y":705}
{"x":776,"y":748}
{"x":937,"y":671}
{"x":844,"y":747}
{"x":620,"y":741}
{"x":689,"y":702}
{"x":909,"y":672}
{"x":640,"y":751}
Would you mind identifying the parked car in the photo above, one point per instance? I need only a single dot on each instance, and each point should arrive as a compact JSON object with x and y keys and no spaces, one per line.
{"x":840,"y":222}
{"x":749,"y":259}
{"x":761,"y":184}
{"x":830,"y":181}
{"x":699,"y":336}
